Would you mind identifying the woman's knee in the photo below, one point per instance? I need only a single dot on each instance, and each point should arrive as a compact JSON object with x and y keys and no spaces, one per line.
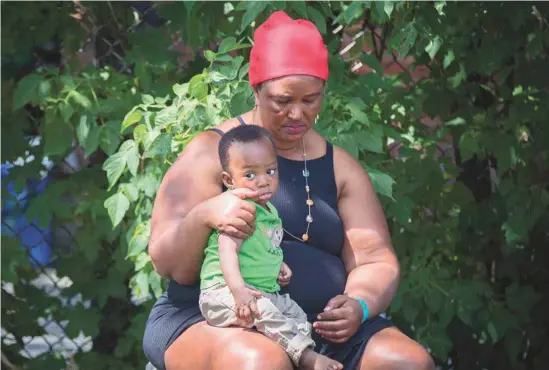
{"x":252,"y":351}
{"x":391,"y":349}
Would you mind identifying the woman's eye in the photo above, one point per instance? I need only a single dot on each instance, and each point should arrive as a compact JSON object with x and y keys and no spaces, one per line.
{"x":271,"y":172}
{"x":250,"y":175}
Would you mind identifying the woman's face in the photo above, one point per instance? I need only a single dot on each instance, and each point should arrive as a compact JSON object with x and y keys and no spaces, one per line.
{"x":288,"y":106}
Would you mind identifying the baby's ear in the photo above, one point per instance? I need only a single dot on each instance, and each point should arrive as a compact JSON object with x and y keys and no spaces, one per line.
{"x":227,"y":180}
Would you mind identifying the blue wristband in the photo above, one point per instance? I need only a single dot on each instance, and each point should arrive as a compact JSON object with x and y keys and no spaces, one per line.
{"x":365,"y":311}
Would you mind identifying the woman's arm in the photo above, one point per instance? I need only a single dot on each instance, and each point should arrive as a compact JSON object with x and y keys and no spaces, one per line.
{"x":372,"y":266}
{"x":184,"y":211}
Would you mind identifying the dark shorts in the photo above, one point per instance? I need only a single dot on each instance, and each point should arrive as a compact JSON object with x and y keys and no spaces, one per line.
{"x":168,"y":320}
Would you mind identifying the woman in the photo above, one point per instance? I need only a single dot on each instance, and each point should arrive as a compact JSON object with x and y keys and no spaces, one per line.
{"x":337,"y":246}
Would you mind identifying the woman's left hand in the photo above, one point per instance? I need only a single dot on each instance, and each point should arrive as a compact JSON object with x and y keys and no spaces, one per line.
{"x":340,"y":320}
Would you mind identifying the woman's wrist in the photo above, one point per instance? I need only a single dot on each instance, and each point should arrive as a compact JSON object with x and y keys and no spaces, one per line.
{"x":365,"y":309}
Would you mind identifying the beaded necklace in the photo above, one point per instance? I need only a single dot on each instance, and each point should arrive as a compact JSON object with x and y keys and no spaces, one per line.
{"x":309,"y":201}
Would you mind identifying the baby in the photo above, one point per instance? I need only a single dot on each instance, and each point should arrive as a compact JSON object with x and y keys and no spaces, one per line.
{"x":240,"y":279}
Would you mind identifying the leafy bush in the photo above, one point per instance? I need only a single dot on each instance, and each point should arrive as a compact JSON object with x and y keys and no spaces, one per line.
{"x":469,"y":223}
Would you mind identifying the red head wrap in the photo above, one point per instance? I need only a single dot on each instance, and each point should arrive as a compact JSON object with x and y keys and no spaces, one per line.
{"x":284,"y":46}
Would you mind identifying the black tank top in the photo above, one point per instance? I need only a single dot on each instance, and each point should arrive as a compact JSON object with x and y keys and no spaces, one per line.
{"x":318,"y":272}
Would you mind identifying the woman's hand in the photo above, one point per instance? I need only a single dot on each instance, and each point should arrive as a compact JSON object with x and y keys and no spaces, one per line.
{"x":285,"y":275}
{"x":231,"y":214}
{"x":340,"y":320}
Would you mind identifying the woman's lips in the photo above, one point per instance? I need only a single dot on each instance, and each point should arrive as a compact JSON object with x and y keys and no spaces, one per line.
{"x":295,"y":129}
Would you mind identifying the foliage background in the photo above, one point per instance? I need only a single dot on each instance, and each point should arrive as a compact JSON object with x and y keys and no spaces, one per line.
{"x":115,"y":90}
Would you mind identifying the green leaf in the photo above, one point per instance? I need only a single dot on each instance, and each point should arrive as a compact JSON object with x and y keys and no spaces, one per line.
{"x":155,"y":282}
{"x":404,"y":39}
{"x":66,"y":110}
{"x":410,"y":312}
{"x":227,"y":45}
{"x":110,"y":137}
{"x":130,"y":190}
{"x":68,"y":81}
{"x":372,"y":62}
{"x":88,"y":134}
{"x":141,"y":284}
{"x":241,"y":103}
{"x":114,"y":166}
{"x":44,"y":90}
{"x":388,"y":7}
{"x":371,"y":140}
{"x":209,"y":55}
{"x":357,"y":107}
{"x":382,"y":183}
{"x":231,"y":70}
{"x":147,"y":99}
{"x":117,"y":205}
{"x":181,"y":90}
{"x":353,"y":11}
{"x":58,"y":135}
{"x":142,"y":260}
{"x":455,"y":122}
{"x":140,"y":132}
{"x":161,"y":146}
{"x":468,"y":145}
{"x":491,"y":329}
{"x":26,"y":90}
{"x":132,"y":159}
{"x":318,"y":19}
{"x":139,"y":241}
{"x":401,"y":210}
{"x":448,"y":59}
{"x":254,"y":9}
{"x":148,"y":185}
{"x":80,"y":99}
{"x":433,"y":47}
{"x":132,"y":117}
{"x":434,"y":300}
{"x":197,"y":87}
{"x":82,"y":319}
{"x":166,"y":116}
{"x":300,"y":7}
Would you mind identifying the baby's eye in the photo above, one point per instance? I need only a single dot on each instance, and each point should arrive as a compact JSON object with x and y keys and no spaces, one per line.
{"x":250,"y":175}
{"x":271,"y":171}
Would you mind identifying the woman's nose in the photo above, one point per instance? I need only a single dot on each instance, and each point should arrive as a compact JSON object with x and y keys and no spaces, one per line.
{"x":295,"y":112}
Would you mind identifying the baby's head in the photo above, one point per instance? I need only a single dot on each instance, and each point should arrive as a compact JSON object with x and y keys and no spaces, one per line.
{"x":248,"y":158}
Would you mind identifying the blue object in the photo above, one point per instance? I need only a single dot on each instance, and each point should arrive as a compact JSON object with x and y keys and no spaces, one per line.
{"x":365,"y":310}
{"x":35,"y":239}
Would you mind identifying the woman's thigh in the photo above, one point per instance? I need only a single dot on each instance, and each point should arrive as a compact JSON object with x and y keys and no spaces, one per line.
{"x":205,"y":347}
{"x":390,"y":349}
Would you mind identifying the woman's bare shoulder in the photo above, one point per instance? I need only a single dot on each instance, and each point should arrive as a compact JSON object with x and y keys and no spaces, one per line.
{"x":346,"y":169}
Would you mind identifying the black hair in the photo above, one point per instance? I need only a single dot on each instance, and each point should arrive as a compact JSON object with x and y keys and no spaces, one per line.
{"x":240,"y":134}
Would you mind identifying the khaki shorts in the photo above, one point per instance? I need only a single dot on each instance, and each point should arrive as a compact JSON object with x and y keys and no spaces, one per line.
{"x":282,"y":319}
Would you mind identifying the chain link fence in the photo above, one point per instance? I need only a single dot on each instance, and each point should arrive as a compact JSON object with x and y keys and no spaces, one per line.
{"x":43,"y":244}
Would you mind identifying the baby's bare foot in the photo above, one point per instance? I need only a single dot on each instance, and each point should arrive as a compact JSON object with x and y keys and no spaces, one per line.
{"x":310,"y":360}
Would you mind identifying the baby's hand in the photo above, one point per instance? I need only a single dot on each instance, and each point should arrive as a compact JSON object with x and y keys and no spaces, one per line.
{"x":245,"y":306}
{"x":284,"y":275}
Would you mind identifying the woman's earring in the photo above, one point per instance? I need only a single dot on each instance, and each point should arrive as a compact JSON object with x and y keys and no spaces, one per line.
{"x":316,"y":119}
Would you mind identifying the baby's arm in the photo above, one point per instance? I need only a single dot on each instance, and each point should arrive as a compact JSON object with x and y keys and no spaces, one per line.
{"x":244,"y":297}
